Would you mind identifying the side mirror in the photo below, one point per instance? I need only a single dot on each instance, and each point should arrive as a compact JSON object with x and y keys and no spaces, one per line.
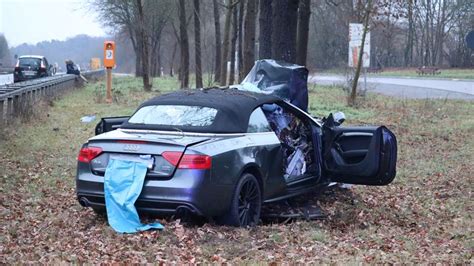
{"x":339,"y":117}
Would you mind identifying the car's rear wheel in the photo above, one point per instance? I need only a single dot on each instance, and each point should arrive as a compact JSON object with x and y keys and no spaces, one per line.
{"x":246,"y":203}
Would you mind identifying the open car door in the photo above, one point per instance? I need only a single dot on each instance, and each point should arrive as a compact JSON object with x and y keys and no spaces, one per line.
{"x":359,"y":155}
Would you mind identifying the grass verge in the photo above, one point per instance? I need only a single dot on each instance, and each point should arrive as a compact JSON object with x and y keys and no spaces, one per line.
{"x":424,"y":216}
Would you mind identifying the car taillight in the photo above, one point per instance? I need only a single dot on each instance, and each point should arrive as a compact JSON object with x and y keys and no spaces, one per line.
{"x":187,"y":161}
{"x":172,"y":157}
{"x":87,"y":154}
{"x":194,"y":161}
{"x":42,"y":64}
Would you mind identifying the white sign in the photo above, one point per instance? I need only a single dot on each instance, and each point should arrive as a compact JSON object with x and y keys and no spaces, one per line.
{"x":109,"y":54}
{"x":355,"y":40}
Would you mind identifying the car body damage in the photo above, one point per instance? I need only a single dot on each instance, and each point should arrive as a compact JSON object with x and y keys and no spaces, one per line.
{"x":285,"y":80}
{"x":223,"y":152}
{"x":296,"y":139}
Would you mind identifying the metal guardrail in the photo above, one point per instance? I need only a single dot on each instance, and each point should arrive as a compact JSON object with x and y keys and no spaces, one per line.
{"x":16,"y":97}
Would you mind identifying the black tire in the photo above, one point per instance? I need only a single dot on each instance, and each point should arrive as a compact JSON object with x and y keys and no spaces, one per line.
{"x":246,"y":203}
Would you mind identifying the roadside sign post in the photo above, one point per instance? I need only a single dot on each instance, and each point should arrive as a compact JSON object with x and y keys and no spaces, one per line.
{"x":355,"y":42}
{"x":109,"y":63}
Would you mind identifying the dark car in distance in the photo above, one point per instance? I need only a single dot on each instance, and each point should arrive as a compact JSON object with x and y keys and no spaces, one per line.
{"x":31,"y":67}
{"x":222,"y":153}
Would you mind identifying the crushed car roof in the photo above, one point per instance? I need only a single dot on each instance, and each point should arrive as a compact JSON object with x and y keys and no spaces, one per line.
{"x":233,"y":108}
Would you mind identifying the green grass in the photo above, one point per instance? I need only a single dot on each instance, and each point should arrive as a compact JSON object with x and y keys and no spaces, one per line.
{"x":425,"y":215}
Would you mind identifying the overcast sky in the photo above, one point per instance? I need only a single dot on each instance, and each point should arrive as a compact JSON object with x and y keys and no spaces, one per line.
{"x":32,"y":21}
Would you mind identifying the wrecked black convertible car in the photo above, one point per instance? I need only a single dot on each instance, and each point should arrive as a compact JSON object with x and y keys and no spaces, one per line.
{"x":222,"y":153}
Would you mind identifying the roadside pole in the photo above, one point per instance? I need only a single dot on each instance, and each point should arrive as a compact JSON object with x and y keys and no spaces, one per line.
{"x":108,"y":73}
{"x":359,"y":51}
{"x":109,"y":63}
{"x":365,"y":79}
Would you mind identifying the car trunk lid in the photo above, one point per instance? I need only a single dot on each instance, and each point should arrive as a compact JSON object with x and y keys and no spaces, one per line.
{"x":141,"y":144}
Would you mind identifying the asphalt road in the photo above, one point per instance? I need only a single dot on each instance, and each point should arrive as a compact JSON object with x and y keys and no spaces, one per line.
{"x":414,"y":88}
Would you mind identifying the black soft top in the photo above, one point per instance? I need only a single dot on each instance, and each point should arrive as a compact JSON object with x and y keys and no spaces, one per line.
{"x":233,"y":108}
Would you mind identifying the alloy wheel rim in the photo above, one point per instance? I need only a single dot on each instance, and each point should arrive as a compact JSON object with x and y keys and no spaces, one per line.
{"x":249,"y":202}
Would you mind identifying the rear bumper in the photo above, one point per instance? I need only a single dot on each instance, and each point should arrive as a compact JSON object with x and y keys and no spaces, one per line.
{"x":18,"y":78}
{"x":189,"y":189}
{"x":162,"y":207}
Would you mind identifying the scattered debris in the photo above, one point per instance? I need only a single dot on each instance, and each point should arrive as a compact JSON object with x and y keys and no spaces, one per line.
{"x":87,"y":118}
{"x":289,"y":210}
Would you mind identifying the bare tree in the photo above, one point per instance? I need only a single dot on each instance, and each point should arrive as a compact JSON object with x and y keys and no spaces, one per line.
{"x":265,"y":29}
{"x":217,"y":28}
{"x":368,"y":9}
{"x":292,"y":17}
{"x":197,"y":44}
{"x":226,"y":43}
{"x":233,"y":45}
{"x":157,"y":15}
{"x":284,"y":30}
{"x":121,"y":15}
{"x":5,"y":59}
{"x":303,"y":31}
{"x":249,"y":35}
{"x":184,"y":45}
{"x":410,"y":34}
{"x":142,"y":39}
{"x":240,"y":40}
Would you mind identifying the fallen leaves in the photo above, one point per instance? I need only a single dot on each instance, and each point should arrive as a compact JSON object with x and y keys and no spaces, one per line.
{"x":424,"y":216}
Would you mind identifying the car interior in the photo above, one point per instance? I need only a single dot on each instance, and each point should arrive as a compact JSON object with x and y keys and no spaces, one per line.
{"x":297,"y":141}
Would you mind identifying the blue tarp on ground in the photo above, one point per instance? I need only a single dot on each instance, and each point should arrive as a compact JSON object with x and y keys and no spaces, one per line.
{"x":122,"y":185}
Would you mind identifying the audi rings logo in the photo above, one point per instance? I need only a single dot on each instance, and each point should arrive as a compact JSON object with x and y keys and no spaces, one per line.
{"x":131,"y":147}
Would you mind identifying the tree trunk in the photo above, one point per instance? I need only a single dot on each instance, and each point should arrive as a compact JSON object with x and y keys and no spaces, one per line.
{"x":197,"y":44}
{"x":138,"y":63}
{"x":293,"y":25}
{"x":409,"y":44}
{"x":233,"y":45}
{"x":440,"y":36}
{"x":240,"y":40}
{"x":153,"y":62}
{"x":172,"y":60}
{"x":265,"y":29}
{"x":352,"y":99}
{"x":225,"y":44}
{"x":284,"y":30}
{"x":184,"y":44}
{"x":143,"y":39}
{"x":155,"y":59}
{"x":249,"y":35}
{"x":158,"y":60}
{"x":303,"y":31}
{"x":428,"y":30}
{"x":217,"y":28}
